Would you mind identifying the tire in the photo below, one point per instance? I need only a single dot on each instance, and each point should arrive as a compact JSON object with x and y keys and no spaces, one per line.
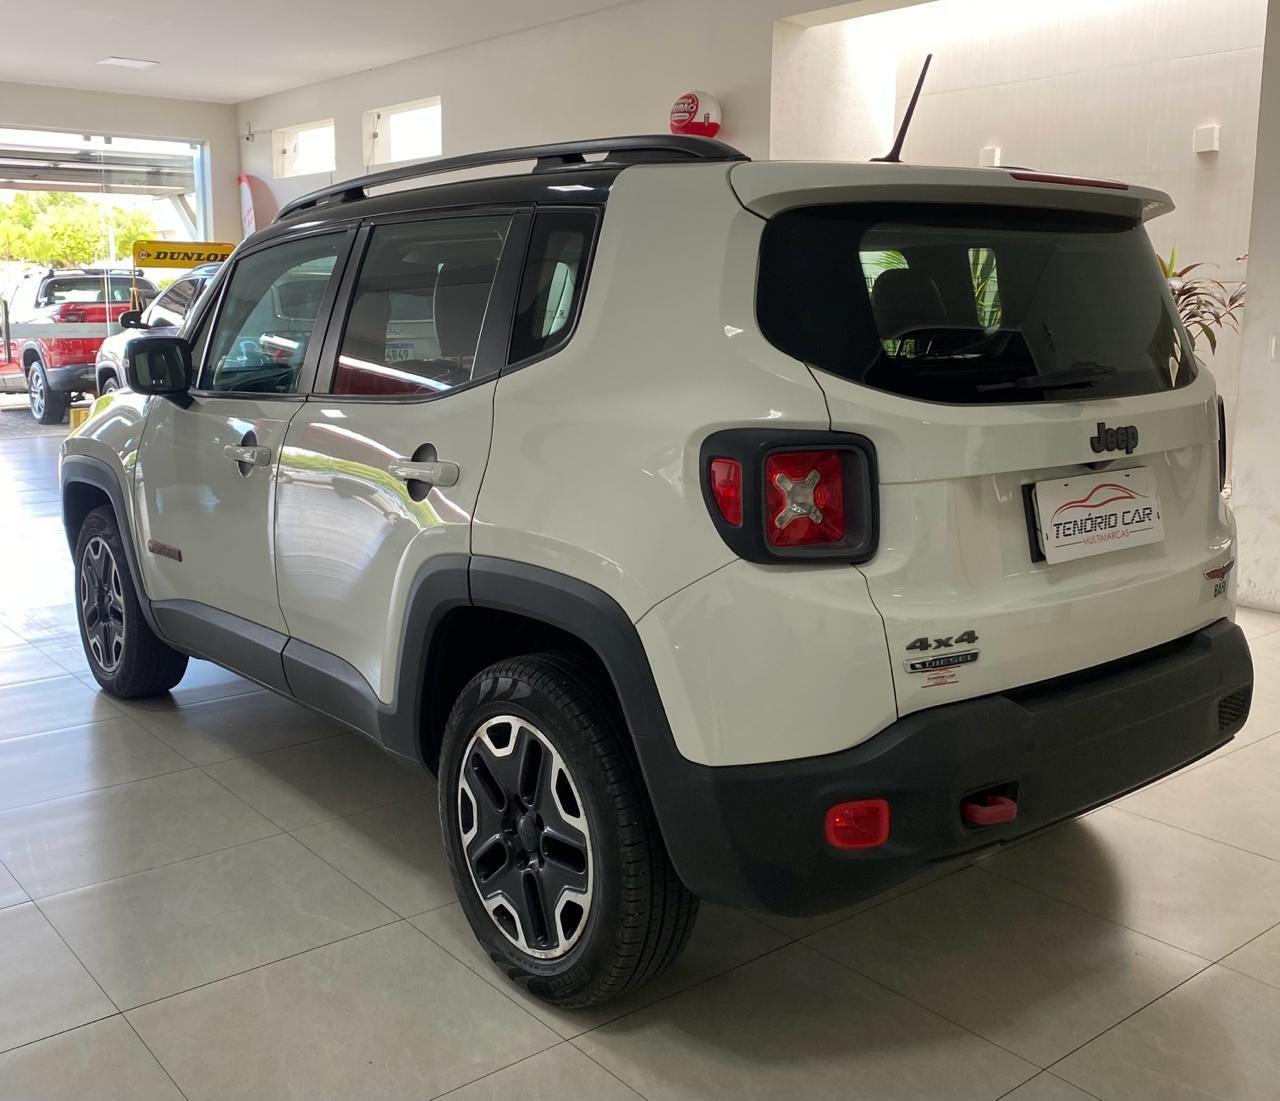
{"x":109,"y":384}
{"x":47,"y":406}
{"x":621,"y":915}
{"x":124,"y":654}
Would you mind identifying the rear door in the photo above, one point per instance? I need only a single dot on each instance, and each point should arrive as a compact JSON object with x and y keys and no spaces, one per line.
{"x":381,"y":469}
{"x":206,"y":472}
{"x":1046,"y":444}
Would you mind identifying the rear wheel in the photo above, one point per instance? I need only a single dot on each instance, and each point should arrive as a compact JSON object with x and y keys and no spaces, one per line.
{"x":47,"y":406}
{"x":124,"y":654}
{"x":555,"y":853}
{"x":110,"y":383}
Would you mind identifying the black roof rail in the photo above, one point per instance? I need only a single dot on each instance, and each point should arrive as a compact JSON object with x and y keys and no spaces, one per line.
{"x":648,"y":148}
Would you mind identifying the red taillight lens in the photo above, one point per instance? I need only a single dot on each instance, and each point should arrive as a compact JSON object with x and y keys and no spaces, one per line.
{"x":861,"y":824}
{"x":726,"y":488}
{"x":804,"y":498}
{"x":69,"y":312}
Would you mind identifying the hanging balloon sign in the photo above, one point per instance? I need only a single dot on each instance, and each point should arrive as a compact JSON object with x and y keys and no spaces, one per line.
{"x":696,"y":113}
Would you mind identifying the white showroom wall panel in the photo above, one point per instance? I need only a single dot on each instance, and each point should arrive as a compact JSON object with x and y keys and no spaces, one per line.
{"x":40,"y":107}
{"x":1257,"y":443}
{"x":1112,"y":88}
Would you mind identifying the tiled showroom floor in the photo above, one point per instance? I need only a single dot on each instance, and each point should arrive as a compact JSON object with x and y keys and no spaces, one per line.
{"x":221,"y":895}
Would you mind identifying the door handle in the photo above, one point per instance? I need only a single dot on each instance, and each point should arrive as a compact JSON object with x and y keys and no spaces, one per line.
{"x":248,"y":456}
{"x":438,"y":473}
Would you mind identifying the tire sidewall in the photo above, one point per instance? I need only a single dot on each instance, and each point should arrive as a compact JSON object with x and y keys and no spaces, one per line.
{"x":487,"y":697}
{"x":100,"y":523}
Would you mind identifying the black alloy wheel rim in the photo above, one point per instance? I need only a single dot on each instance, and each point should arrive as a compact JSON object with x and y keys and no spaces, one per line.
{"x":525,"y":837}
{"x":102,"y":605}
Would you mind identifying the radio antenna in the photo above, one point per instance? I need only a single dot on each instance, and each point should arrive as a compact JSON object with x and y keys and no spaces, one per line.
{"x":894,"y":156}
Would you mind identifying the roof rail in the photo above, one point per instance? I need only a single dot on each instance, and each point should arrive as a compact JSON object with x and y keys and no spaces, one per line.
{"x":667,"y":147}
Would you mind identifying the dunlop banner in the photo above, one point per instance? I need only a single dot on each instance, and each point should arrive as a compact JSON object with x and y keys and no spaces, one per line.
{"x":179,"y":254}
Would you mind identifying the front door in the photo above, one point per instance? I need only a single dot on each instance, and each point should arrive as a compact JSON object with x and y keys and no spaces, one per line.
{"x":206,"y":473}
{"x":381,"y":469}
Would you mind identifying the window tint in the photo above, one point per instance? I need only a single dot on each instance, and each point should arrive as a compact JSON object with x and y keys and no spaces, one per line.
{"x":88,"y":288}
{"x":268,"y":316}
{"x":977,"y":306}
{"x":172,"y":306}
{"x":418,"y":306}
{"x":553,"y":280}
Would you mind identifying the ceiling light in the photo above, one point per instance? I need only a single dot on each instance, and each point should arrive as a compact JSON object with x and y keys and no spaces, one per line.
{"x":128,"y":62}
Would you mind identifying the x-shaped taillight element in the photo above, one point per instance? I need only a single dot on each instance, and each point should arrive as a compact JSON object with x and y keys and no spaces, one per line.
{"x":799,"y":498}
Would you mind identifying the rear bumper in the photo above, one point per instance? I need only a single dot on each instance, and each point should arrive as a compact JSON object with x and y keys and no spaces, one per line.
{"x":752,"y":835}
{"x":78,"y":376}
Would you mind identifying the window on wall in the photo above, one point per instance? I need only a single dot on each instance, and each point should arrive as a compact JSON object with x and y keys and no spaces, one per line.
{"x":403,"y":132}
{"x":303,"y":150}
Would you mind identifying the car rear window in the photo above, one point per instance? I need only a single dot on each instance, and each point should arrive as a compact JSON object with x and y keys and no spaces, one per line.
{"x":978,"y":305}
{"x":89,"y":288}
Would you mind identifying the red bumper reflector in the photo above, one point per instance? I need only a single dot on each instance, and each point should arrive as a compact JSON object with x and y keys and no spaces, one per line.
{"x":988,"y":810}
{"x":862,"y":824}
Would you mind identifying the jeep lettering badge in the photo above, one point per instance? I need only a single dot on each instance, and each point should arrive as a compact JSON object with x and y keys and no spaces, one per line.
{"x":1123,"y":439}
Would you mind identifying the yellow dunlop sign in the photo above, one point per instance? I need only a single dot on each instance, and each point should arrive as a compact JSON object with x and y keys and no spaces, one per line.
{"x":179,"y":254}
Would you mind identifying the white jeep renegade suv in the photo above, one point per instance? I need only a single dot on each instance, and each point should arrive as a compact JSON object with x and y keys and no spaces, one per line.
{"x":755,"y":532}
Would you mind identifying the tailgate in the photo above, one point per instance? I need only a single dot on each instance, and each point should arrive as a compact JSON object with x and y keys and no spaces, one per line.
{"x":1012,"y":351}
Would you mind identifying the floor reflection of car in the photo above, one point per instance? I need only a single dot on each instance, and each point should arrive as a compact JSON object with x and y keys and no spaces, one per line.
{"x":161,"y":318}
{"x":58,"y":320}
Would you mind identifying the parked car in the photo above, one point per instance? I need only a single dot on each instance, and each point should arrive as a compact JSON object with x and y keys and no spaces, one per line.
{"x":754,"y":532}
{"x":161,"y":318}
{"x":59,"y":319}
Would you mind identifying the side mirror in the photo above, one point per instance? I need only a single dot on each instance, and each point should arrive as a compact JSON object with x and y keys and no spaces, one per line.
{"x":131,"y":319}
{"x":159,"y":365}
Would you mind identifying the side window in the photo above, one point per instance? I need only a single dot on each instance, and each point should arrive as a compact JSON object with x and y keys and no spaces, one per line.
{"x":418,"y":307}
{"x":171,"y":307}
{"x":268,"y":316}
{"x":553,"y":280}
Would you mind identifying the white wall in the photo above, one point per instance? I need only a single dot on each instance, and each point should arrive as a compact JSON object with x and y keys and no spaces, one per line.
{"x":1096,"y":87}
{"x":43,"y":108}
{"x":1256,"y":475}
{"x":611,"y":72}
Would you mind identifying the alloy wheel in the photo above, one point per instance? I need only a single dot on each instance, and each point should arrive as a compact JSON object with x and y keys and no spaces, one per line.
{"x":102,"y":604}
{"x":525,"y":837}
{"x":35,"y":387}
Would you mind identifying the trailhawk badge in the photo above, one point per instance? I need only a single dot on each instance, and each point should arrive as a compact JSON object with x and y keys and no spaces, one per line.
{"x":1097,"y":513}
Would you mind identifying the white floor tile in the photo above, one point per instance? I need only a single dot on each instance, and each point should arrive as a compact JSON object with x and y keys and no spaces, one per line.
{"x":794,"y":1024}
{"x":99,"y":835}
{"x":1025,"y":971}
{"x":1213,"y":1037}
{"x":162,"y":931}
{"x":105,"y":1061}
{"x":43,"y":988}
{"x":1178,"y":887}
{"x":380,"y":1015}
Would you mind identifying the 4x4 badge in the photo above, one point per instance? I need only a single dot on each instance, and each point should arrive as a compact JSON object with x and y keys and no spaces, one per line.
{"x":1124,"y":438}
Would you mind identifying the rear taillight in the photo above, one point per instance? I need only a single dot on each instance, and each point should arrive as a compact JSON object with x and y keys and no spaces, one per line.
{"x":69,"y":311}
{"x":726,"y":488}
{"x":789,"y":494}
{"x":804,"y":498}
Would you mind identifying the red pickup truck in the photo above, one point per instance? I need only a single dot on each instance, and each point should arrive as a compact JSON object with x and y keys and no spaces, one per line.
{"x":56,"y":321}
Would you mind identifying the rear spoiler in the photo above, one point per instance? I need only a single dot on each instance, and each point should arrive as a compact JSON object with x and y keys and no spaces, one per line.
{"x":770,"y":187}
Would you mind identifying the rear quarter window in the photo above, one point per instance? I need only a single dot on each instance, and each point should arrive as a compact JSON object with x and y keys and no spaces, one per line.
{"x":979,"y":305}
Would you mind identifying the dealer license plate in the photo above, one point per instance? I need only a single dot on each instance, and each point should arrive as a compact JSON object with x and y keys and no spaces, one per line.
{"x":1097,"y":513}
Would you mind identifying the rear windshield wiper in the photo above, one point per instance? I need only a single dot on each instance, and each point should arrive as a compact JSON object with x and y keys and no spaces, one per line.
{"x":1069,"y":378}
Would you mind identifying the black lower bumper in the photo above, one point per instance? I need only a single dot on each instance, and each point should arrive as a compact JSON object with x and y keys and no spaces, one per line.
{"x":752,"y":835}
{"x":78,"y":376}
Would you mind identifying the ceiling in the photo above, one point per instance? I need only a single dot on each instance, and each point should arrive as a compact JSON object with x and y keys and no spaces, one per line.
{"x":228,"y":51}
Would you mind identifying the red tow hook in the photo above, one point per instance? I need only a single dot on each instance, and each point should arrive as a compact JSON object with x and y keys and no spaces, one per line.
{"x":988,"y":810}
